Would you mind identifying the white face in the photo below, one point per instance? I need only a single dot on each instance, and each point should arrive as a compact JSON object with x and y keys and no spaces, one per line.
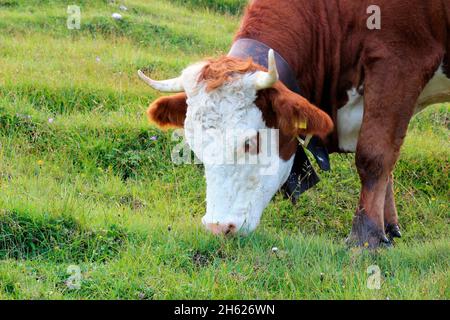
{"x":223,"y":128}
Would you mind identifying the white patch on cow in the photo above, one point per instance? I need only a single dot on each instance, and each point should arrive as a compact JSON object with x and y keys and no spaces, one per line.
{"x":236,"y":193}
{"x":350,"y":116}
{"x":349,"y":120}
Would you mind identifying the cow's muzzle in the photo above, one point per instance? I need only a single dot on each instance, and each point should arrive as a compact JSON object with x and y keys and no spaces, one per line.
{"x":226,"y":229}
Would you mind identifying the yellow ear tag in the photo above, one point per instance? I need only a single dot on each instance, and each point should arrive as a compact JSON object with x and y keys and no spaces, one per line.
{"x":303,"y":125}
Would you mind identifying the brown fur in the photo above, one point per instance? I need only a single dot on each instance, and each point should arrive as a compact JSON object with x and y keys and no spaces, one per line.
{"x":219,"y":71}
{"x":294,"y":115}
{"x":168,"y":112}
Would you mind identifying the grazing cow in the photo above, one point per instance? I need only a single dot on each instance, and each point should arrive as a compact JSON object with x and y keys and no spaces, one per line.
{"x":312,"y":68}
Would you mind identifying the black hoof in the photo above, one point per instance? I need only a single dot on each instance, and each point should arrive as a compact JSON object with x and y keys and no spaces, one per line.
{"x":365,"y":233}
{"x":384,"y":239}
{"x":393,"y":230}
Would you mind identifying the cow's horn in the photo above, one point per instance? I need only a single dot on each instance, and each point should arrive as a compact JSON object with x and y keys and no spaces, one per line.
{"x":172,"y":85}
{"x":265,"y":80}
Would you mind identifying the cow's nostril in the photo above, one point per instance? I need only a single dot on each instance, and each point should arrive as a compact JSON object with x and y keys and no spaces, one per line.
{"x":231,"y":228}
{"x":224,"y":229}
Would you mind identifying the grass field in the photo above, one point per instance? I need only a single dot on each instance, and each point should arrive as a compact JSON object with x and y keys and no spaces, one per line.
{"x":85,"y":181}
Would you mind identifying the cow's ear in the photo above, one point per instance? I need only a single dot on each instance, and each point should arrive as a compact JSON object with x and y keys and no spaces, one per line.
{"x":168,"y":112}
{"x":294,"y":115}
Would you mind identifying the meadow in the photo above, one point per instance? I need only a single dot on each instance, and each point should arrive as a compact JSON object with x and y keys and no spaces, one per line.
{"x":86,"y":184}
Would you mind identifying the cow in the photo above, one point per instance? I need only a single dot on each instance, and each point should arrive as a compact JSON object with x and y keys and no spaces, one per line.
{"x":359,"y":87}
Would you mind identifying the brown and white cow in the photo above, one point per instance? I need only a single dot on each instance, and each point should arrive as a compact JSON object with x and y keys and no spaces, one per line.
{"x":370,"y":82}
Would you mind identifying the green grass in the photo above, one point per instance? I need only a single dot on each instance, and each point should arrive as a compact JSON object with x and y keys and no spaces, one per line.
{"x":93,"y":189}
{"x":223,"y":6}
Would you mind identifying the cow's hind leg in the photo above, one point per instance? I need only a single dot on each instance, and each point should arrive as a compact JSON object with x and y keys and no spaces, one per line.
{"x":390,"y":99}
{"x":390,"y":212}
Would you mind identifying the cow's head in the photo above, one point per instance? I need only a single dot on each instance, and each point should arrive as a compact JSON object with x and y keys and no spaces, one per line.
{"x":230,"y":109}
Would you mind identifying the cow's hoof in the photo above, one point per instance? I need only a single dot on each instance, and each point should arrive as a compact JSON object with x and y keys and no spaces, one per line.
{"x":373,"y":242}
{"x":393,"y":231}
{"x":365,"y":233}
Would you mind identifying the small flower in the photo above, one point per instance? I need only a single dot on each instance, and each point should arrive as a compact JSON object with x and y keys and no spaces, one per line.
{"x":123,"y":8}
{"x":98,"y":59}
{"x":50,"y":120}
{"x":366,"y":244}
{"x":40,"y":162}
{"x":153,"y":138}
{"x":274,"y":249}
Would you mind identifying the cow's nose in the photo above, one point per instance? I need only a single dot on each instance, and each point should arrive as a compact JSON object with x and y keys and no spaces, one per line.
{"x":222,"y":228}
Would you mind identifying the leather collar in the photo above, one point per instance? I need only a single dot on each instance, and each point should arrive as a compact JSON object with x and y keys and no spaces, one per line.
{"x":258,"y":51}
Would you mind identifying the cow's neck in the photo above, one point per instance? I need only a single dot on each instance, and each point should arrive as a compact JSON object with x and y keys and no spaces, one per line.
{"x":307,"y":35}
